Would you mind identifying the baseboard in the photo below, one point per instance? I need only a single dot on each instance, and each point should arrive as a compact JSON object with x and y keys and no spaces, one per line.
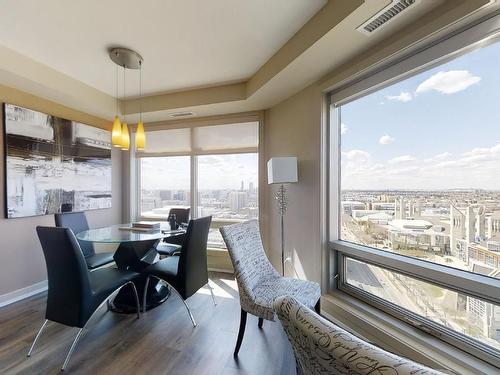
{"x":17,"y":295}
{"x":221,"y":270}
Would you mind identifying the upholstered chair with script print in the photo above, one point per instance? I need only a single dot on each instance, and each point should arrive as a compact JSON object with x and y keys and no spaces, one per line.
{"x":258,"y":282}
{"x":322,"y":348}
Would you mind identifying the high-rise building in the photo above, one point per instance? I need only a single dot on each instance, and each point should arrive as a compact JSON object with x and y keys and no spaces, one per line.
{"x":238,"y":200}
{"x":400,"y":209}
{"x":470,"y":229}
{"x":457,"y":231}
{"x":166,"y":194}
{"x":242,"y":185}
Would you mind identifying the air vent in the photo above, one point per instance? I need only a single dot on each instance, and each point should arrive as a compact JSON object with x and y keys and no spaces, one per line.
{"x":181,"y":114}
{"x":385,"y":15}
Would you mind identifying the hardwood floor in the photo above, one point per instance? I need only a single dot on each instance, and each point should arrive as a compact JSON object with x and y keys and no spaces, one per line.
{"x":163,"y":341}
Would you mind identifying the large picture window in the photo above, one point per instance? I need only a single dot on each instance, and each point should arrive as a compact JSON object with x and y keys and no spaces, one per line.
{"x":227,"y":190}
{"x":165,"y":183}
{"x":418,"y":162}
{"x":417,"y":226}
{"x":213,"y":169}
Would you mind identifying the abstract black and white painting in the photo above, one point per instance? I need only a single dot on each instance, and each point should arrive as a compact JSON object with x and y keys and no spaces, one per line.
{"x":53,"y":164}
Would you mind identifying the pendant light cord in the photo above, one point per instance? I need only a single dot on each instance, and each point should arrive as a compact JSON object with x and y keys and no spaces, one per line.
{"x":116,"y":91}
{"x":124,"y":98}
{"x":140,"y":90}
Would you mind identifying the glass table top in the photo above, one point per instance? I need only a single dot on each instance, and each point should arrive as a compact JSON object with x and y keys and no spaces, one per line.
{"x":120,"y":234}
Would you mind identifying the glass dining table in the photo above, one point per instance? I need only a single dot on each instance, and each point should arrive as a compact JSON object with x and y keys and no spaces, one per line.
{"x":136,"y":251}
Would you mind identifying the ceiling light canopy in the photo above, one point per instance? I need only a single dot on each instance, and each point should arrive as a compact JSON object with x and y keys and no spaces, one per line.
{"x":120,"y":137}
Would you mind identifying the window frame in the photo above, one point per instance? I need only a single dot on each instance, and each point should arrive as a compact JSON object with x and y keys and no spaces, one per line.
{"x":193,"y":154}
{"x":485,"y":288}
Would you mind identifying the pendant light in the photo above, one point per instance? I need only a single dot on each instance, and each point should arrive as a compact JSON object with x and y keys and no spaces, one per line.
{"x":120,"y":136}
{"x":116,"y":133}
{"x":125,"y":143}
{"x":140,"y":136}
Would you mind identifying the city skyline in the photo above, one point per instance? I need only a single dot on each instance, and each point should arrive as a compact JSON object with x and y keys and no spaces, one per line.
{"x":431,"y":131}
{"x":458,"y":229}
{"x":215,"y":172}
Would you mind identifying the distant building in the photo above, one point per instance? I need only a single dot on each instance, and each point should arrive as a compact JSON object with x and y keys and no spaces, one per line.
{"x":458,"y":243}
{"x":381,"y":218}
{"x":166,"y":195}
{"x":400,"y":209}
{"x":238,"y":200}
{"x":487,"y":315}
{"x":179,"y":196}
{"x":383,"y":206}
{"x":349,"y":206}
{"x":485,"y":257}
{"x":493,"y":225}
{"x":419,"y":234}
{"x":493,"y":246}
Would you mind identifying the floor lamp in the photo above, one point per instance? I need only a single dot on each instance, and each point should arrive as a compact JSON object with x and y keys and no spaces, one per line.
{"x":281,"y":171}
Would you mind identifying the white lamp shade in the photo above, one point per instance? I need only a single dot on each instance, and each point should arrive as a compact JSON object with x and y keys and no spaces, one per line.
{"x":282,"y":170}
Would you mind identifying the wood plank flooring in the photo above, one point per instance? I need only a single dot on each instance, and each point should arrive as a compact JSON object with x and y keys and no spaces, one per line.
{"x":163,"y":341}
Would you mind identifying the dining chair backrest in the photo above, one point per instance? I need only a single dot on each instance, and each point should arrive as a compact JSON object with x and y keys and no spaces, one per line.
{"x":193,"y":268}
{"x":77,"y":222}
{"x":68,"y":278}
{"x":249,"y":259}
{"x":181,"y":214}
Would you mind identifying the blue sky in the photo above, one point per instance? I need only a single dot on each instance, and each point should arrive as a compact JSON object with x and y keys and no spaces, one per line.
{"x":439,"y":129}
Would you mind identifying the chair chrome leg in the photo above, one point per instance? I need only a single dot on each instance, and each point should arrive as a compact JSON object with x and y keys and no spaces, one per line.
{"x":37,"y":336}
{"x":145,"y":294}
{"x":75,"y":341}
{"x":185,"y":304}
{"x":136,"y":299}
{"x":212,"y":293}
{"x":182,"y":299}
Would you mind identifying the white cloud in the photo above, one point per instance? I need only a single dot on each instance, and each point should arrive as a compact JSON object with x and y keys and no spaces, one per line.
{"x":401,"y":159}
{"x":402,"y":97}
{"x":444,"y":155}
{"x":483,"y":153}
{"x":448,"y":82}
{"x":357,"y":155}
{"x":477,"y":168}
{"x":386,"y":140}
{"x":343,"y":128}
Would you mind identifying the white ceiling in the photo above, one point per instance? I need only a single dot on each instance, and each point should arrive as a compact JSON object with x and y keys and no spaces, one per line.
{"x":185,"y":43}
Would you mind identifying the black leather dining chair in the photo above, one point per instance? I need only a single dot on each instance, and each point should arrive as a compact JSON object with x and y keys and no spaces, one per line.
{"x":188,"y":272}
{"x":181,"y":214}
{"x":173,"y":245}
{"x":75,"y":293}
{"x":77,"y":222}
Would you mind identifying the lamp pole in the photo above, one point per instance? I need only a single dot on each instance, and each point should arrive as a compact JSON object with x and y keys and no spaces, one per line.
{"x":282,"y":170}
{"x":282,"y":205}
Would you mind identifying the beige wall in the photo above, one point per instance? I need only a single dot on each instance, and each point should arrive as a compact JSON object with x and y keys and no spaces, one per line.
{"x":21,"y":258}
{"x":292,"y":128}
